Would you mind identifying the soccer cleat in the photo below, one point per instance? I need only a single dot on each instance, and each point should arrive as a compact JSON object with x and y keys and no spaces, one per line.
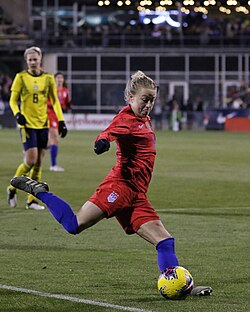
{"x":28,"y":185}
{"x":11,"y":198}
{"x":56,"y":168}
{"x":34,"y":205}
{"x":201,"y":291}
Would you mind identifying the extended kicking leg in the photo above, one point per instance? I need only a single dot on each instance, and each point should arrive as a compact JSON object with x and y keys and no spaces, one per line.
{"x":61,"y":210}
{"x":88,"y":215}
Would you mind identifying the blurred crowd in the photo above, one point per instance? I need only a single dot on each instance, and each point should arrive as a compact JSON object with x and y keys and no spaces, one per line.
{"x":9,"y":28}
{"x":5,"y":85}
{"x":216,"y":31}
{"x":239,"y":97}
{"x":176,"y":115}
{"x":198,"y":29}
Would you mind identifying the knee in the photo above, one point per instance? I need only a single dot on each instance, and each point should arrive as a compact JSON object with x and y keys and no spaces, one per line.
{"x":31,"y":161}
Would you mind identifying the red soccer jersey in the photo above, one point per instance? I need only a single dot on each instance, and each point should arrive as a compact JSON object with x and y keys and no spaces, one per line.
{"x":64,"y":99}
{"x":135,"y":139}
{"x":63,"y":96}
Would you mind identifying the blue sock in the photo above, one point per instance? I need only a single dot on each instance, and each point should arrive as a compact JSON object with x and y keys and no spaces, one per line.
{"x":61,"y":211}
{"x":166,"y":254}
{"x":53,"y":154}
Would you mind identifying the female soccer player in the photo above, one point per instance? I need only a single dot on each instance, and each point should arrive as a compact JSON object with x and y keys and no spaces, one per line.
{"x":33,"y":87}
{"x":122,"y":193}
{"x":64,"y":99}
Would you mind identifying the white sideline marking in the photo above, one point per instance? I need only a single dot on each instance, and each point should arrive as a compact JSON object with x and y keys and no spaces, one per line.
{"x":73,"y":299}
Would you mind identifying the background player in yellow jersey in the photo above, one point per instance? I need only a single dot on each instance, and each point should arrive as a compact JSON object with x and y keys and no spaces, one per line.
{"x":33,"y":87}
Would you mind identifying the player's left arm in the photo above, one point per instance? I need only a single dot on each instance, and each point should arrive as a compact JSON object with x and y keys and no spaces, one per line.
{"x":57,"y":108}
{"x":68,"y":103}
{"x":117,"y":128}
{"x":54,"y":100}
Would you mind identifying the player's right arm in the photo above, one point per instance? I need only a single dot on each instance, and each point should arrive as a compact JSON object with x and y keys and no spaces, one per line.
{"x":15,"y":93}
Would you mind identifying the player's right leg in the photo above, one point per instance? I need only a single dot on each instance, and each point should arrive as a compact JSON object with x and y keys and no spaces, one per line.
{"x":155,"y":233}
{"x":11,"y":197}
{"x":23,"y":169}
{"x":29,"y":140}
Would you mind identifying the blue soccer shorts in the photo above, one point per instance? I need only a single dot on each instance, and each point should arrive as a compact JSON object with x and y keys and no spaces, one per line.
{"x":34,"y":138}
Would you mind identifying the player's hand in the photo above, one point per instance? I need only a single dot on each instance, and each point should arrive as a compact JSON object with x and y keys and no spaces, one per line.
{"x":101,"y":146}
{"x":62,"y":129}
{"x":21,"y":120}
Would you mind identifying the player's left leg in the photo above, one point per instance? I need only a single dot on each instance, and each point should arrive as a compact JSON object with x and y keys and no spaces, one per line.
{"x":36,"y":174}
{"x":73,"y":223}
{"x":61,"y":210}
{"x":35,"y":155}
{"x":54,"y":147}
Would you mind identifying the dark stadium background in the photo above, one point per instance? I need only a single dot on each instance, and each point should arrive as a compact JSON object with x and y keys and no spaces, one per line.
{"x":200,"y":185}
{"x":203,"y":65}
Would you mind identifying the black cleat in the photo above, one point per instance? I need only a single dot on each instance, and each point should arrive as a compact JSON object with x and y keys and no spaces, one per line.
{"x":11,"y":198}
{"x":28,"y":185}
{"x":201,"y":291}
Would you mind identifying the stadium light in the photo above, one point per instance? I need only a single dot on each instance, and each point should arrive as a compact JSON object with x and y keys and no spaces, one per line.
{"x":186,"y":6}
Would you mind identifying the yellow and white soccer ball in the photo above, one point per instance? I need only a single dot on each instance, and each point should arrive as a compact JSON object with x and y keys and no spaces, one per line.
{"x":175,"y":283}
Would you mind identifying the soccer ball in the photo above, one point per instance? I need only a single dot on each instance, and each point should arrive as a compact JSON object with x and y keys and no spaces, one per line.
{"x":175,"y":283}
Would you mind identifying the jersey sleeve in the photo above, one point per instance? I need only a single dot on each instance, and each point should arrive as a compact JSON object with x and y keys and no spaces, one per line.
{"x":68,"y":103}
{"x":68,"y":96}
{"x":54,"y":100}
{"x":120,"y":126}
{"x":15,"y":93}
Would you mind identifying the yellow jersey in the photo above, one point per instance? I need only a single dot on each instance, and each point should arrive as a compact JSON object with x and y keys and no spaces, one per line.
{"x":34,"y":91}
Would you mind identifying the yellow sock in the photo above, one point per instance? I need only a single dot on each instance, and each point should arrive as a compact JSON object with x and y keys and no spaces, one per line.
{"x":23,"y":169}
{"x":35,"y":174}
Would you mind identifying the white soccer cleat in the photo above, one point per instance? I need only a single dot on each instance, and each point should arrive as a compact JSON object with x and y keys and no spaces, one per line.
{"x":34,"y":205}
{"x":11,"y":198}
{"x":56,"y":168}
{"x":201,"y":291}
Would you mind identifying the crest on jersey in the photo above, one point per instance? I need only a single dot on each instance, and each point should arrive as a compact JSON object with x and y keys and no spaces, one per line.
{"x":112,"y":197}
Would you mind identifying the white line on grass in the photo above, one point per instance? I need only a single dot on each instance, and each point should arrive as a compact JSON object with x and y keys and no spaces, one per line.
{"x":73,"y":299}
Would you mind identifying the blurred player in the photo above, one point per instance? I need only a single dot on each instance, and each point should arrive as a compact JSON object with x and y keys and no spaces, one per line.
{"x":64,"y":99}
{"x":33,"y":87}
{"x":122,"y":194}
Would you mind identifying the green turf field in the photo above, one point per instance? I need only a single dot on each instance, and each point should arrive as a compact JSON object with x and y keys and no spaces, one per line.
{"x":201,"y":189}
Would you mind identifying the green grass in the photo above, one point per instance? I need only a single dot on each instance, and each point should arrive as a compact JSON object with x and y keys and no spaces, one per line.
{"x":200,"y":188}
